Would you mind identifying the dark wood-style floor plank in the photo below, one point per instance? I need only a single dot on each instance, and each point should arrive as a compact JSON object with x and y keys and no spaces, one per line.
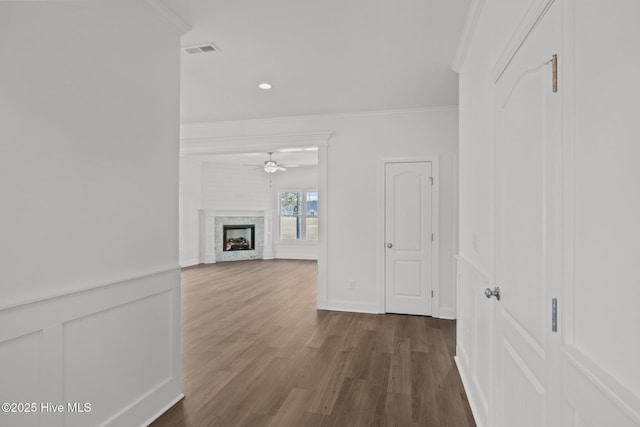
{"x":256,"y":352}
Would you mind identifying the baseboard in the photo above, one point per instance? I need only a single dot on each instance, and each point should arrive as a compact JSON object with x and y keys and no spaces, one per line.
{"x":163,"y":397}
{"x":309,"y":252}
{"x":447,"y":313}
{"x":189,"y":262}
{"x":357,"y":307}
{"x":164,"y":409}
{"x":468,"y":391}
{"x":296,"y":256}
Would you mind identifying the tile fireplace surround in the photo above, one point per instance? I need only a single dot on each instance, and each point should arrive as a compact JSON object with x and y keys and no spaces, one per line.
{"x":211,"y":245}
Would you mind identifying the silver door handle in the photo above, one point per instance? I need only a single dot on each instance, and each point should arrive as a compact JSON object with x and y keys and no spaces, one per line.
{"x":492,"y":293}
{"x":389,"y":245}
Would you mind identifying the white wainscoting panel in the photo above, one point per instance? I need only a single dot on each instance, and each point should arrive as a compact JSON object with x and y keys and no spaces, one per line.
{"x":114,"y":347}
{"x":474,"y":324}
{"x":19,"y":365}
{"x":592,"y":397}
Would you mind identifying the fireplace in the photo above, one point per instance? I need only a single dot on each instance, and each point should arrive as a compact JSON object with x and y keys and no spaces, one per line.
{"x":240,"y":237}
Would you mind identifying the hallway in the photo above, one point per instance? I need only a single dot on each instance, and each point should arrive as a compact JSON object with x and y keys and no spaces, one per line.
{"x":256,"y":352}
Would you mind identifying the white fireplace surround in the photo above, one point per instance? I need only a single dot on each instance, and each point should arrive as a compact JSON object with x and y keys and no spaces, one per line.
{"x":208,"y":229}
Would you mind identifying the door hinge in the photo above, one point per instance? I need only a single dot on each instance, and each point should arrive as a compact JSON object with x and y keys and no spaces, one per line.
{"x":431,"y":293}
{"x":432,"y":237}
{"x":554,"y":315}
{"x":554,"y":71}
{"x":431,"y":180}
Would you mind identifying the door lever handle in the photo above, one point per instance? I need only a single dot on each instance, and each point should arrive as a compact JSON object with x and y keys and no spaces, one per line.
{"x":492,"y":293}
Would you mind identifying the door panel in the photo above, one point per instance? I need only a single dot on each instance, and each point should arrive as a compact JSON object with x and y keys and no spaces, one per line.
{"x":408,"y":210}
{"x":527,"y":217}
{"x":408,"y":232}
{"x":408,"y":278}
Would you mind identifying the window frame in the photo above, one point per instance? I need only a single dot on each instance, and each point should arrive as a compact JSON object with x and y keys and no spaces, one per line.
{"x":302,"y":214}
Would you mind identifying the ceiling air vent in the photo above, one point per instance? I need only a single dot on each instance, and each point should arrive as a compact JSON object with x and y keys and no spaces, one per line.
{"x":200,"y":48}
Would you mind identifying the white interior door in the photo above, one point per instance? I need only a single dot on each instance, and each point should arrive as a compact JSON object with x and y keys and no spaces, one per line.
{"x":408,"y":238}
{"x":527,"y":233}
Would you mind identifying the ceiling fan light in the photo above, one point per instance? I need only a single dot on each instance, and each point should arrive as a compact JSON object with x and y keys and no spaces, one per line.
{"x":270,"y":166}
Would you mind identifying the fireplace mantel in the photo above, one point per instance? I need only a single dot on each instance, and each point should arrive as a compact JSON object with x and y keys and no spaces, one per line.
{"x":208,"y":231}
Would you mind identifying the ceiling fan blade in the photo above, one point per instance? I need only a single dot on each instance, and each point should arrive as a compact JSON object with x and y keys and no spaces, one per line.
{"x":280,"y":168}
{"x":290,"y":166}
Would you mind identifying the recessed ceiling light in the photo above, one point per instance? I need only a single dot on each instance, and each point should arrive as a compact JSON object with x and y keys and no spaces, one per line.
{"x":265,"y":86}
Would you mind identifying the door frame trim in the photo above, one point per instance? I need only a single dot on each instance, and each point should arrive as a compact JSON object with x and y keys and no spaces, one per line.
{"x":435,"y":227}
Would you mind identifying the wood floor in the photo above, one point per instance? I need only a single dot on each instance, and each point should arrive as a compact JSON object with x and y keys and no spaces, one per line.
{"x":256,"y":352}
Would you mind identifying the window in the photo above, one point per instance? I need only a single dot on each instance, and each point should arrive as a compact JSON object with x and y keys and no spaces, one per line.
{"x":298,"y":215}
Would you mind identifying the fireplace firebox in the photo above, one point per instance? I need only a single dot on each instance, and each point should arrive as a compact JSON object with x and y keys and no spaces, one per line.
{"x":240,"y":237}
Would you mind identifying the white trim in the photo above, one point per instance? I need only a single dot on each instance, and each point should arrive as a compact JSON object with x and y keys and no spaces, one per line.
{"x":536,"y":11}
{"x":455,"y":238}
{"x":69,"y":292}
{"x":163,"y":410}
{"x":189,"y":263}
{"x":170,"y":17}
{"x":288,"y":254}
{"x":447,"y":313}
{"x":435,"y":228}
{"x":254,"y":143}
{"x":464,"y":376}
{"x":602,"y":382}
{"x":566,"y":69}
{"x":484,"y":277}
{"x":47,"y":321}
{"x":323,"y":226}
{"x":351,"y":306}
{"x":469,"y":29}
{"x":320,"y":116}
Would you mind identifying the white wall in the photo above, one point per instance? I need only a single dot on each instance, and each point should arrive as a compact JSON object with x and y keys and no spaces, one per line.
{"x":359,"y":143}
{"x":606,"y":287}
{"x":89,"y":110}
{"x":600,"y":207}
{"x":190,"y":203}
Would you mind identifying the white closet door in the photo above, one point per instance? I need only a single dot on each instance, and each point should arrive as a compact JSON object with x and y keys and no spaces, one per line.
{"x":408,"y":256}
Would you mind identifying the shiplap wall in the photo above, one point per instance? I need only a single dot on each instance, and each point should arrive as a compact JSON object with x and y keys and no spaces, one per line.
{"x":227,"y":187}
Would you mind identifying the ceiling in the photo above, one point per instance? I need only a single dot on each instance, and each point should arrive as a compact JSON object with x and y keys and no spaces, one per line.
{"x":301,"y":158}
{"x":329,"y":56}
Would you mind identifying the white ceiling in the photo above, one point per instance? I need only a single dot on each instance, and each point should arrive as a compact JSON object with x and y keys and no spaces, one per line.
{"x":300,"y":158}
{"x":327,"y":56}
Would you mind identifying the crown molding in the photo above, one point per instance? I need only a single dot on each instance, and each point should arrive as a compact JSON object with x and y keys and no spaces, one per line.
{"x":473,"y":16}
{"x":247,"y":144}
{"x":320,"y":116}
{"x":169,"y":16}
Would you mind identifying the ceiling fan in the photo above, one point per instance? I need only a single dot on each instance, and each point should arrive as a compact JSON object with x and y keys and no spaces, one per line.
{"x":271,"y":166}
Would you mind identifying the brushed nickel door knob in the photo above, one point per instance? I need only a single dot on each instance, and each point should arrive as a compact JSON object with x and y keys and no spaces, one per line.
{"x":492,"y":293}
